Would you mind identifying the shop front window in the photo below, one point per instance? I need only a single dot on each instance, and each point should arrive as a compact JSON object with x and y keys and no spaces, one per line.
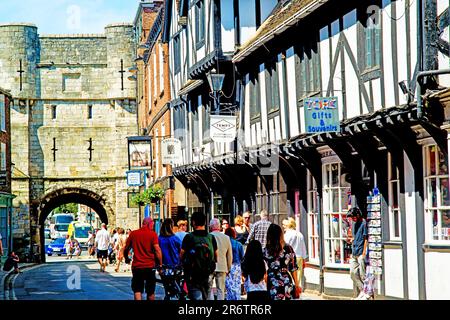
{"x":437,"y":198}
{"x":337,"y":228}
{"x":394,"y":197}
{"x":313,"y":220}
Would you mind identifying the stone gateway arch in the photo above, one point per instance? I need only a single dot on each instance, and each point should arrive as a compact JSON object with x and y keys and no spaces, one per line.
{"x":73,"y":109}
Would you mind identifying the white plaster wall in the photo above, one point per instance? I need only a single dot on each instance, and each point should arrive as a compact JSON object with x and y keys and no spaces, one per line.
{"x":338,"y":280}
{"x":437,"y":277}
{"x":393,"y":272}
{"x":312,"y":275}
{"x":411,"y":230}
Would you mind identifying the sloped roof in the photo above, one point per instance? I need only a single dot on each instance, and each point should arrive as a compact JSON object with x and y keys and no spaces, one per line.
{"x":282,"y":18}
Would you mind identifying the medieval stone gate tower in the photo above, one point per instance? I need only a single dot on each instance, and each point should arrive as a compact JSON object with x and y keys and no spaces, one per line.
{"x":73,"y":109}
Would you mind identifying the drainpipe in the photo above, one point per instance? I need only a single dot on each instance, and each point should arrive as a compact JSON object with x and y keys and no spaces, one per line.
{"x":420,"y":76}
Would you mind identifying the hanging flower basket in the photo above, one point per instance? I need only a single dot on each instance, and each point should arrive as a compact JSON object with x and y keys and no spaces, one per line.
{"x":152,"y":194}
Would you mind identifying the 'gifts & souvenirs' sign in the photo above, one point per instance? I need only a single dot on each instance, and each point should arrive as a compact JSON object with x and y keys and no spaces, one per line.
{"x":321,"y":115}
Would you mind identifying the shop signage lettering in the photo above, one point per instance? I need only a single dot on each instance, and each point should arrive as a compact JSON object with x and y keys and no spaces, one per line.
{"x":134,"y":178}
{"x":223,"y":128}
{"x":322,"y":115}
{"x":171,"y":151}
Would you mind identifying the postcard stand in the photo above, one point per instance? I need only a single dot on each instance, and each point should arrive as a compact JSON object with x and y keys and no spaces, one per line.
{"x":374,"y":232}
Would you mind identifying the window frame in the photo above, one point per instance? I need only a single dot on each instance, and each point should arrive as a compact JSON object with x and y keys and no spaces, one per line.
{"x":177,"y":53}
{"x":329,"y":213}
{"x":254,"y":101}
{"x":273,"y":99}
{"x":370,"y":31}
{"x":313,"y":219}
{"x":200,"y":17}
{"x":392,"y":182}
{"x":430,"y":210}
{"x":3,"y":112}
{"x":307,"y":71}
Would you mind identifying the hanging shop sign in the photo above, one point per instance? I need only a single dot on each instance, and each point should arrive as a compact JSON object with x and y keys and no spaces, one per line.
{"x":321,"y":115}
{"x":223,"y":128}
{"x":139,"y":153}
{"x":134,"y":178}
{"x":171,"y":151}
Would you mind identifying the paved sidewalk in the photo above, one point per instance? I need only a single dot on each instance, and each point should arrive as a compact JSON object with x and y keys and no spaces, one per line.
{"x":4,"y":274}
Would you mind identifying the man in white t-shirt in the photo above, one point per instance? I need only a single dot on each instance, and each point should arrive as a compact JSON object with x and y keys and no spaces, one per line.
{"x":102,"y":240}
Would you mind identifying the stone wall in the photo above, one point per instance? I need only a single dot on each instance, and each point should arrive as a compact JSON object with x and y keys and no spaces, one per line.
{"x":70,"y":73}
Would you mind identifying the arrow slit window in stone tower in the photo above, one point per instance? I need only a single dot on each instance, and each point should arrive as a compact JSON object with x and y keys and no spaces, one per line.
{"x":90,"y":149}
{"x":90,"y":111}
{"x":54,"y":149}
{"x":53,"y":111}
{"x":121,"y":73}
{"x":20,"y":71}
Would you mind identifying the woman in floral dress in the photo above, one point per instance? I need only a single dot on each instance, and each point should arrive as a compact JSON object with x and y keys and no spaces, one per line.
{"x":233,"y":279}
{"x":282,"y":281}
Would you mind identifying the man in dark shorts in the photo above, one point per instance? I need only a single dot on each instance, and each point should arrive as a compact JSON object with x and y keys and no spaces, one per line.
{"x":146,"y":251}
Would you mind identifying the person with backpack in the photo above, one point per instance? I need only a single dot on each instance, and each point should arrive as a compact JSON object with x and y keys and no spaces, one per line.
{"x":224,"y":260}
{"x":198,"y":256}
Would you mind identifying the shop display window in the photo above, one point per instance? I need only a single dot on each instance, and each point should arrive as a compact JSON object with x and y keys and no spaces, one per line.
{"x":337,"y":228}
{"x":313,"y":220}
{"x":394,"y":198}
{"x":437,"y":198}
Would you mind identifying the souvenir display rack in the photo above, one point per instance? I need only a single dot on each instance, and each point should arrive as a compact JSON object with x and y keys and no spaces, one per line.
{"x":374,"y":233}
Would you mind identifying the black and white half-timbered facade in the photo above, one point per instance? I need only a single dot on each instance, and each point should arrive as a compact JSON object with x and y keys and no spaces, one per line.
{"x":384,"y":67}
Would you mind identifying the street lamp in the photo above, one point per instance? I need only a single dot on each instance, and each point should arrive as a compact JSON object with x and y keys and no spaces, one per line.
{"x":215,"y":81}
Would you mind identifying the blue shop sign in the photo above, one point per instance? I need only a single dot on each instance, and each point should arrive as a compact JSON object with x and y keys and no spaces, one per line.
{"x":322,"y":115}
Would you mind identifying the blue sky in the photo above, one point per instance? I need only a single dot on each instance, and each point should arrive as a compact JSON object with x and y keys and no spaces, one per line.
{"x":68,"y":16}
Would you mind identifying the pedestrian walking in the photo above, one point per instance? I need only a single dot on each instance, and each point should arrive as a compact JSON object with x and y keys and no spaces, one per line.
{"x":296,"y":240}
{"x":68,"y":246}
{"x":241,"y":229}
{"x":170,"y":244}
{"x":225,"y":225}
{"x":224,"y":260}
{"x":198,"y":256}
{"x":146,"y":256}
{"x":259,"y":229}
{"x":90,"y":243}
{"x":254,"y":271}
{"x":233,"y":278}
{"x":359,"y":250}
{"x":182,"y":229}
{"x":102,"y":241}
{"x":76,"y":249}
{"x":120,"y":247}
{"x":282,"y":281}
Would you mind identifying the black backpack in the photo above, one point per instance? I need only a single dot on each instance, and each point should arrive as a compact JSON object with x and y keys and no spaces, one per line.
{"x":200,"y":261}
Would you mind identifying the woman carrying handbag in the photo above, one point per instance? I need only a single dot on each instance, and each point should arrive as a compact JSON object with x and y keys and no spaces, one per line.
{"x":282,"y":281}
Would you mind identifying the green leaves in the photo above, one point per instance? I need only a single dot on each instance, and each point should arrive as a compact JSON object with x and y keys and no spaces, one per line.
{"x":149,"y":195}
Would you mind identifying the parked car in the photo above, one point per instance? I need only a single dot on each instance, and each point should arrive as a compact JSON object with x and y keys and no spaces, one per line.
{"x":56,"y":247}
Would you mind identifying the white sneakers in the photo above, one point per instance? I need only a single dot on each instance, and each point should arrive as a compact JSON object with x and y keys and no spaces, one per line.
{"x":363,"y":296}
